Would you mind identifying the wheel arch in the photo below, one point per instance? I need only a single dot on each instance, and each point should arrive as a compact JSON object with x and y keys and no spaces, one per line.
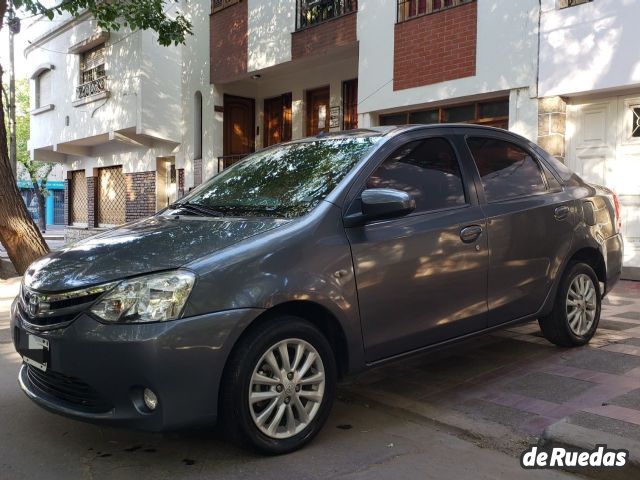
{"x":314,"y":313}
{"x":590,"y":255}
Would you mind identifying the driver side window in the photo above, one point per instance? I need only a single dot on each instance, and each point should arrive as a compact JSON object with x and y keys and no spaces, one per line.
{"x":426,"y":169}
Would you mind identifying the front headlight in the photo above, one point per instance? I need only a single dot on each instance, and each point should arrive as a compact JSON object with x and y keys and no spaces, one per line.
{"x":152,"y":298}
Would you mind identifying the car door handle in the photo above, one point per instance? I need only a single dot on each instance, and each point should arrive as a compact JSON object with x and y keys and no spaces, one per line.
{"x":561,"y":213}
{"x":471,"y":233}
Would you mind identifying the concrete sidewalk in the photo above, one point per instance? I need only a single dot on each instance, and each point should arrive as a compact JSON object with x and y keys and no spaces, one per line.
{"x":512,"y":387}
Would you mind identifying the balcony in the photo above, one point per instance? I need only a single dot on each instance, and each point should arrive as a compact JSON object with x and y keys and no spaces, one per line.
{"x":408,"y":9}
{"x":313,"y":12}
{"x":91,"y":88}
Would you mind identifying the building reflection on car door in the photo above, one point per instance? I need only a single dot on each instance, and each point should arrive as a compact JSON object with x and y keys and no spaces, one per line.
{"x":421,"y":278}
{"x":529,"y":221}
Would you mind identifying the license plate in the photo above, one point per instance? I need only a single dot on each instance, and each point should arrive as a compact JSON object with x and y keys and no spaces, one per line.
{"x":35,"y":351}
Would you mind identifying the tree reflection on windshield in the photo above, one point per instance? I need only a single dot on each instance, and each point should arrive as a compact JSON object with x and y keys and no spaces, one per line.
{"x":284,"y":181}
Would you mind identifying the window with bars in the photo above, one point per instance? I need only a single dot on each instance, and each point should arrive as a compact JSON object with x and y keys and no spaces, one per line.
{"x":571,"y":3}
{"x":312,"y":12}
{"x":635,"y":126}
{"x":92,"y":71}
{"x":78,"y":214}
{"x":408,"y":9}
{"x":111,"y":196}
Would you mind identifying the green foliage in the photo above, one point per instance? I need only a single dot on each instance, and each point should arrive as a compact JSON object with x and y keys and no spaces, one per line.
{"x":113,"y":15}
{"x":36,"y":171}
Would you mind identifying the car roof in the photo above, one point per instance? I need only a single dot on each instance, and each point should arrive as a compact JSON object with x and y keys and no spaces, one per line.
{"x":397,"y":129}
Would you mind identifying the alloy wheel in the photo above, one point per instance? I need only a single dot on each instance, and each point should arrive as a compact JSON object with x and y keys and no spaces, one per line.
{"x":287,"y":388}
{"x":581,"y":304}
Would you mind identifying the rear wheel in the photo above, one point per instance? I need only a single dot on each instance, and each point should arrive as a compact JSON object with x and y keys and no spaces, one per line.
{"x":279,"y":386}
{"x":576,"y":312}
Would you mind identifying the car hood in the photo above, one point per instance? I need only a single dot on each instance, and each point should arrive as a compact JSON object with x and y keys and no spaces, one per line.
{"x":154,"y":244}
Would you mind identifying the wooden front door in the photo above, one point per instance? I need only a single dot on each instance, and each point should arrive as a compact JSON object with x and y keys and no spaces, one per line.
{"x":277,"y":120}
{"x":317,"y":111}
{"x":239,"y":125}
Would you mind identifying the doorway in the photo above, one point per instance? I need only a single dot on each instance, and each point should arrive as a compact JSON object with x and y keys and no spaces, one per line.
{"x":239,"y":128}
{"x":166,"y":182}
{"x":317,"y":111}
{"x":277,"y":120}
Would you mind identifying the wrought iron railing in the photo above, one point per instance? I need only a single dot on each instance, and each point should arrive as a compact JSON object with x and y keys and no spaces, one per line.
{"x":408,"y":9}
{"x":312,"y":12}
{"x":227,"y":160}
{"x":91,"y":88}
{"x":571,"y":3}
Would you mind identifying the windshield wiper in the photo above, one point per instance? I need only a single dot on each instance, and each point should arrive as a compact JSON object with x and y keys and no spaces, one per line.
{"x":263,"y":210}
{"x":200,"y":209}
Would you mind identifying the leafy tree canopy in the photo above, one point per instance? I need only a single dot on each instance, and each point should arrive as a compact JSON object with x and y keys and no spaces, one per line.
{"x":113,"y":15}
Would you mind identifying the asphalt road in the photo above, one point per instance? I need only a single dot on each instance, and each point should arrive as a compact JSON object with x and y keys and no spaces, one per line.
{"x":359,"y":441}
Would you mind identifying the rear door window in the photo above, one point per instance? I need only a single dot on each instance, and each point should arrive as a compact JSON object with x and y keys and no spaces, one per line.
{"x":507,"y":170}
{"x":426,"y":169}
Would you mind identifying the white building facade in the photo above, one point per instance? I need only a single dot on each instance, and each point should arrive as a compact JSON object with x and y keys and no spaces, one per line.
{"x":589,"y":61}
{"x":259,"y":72}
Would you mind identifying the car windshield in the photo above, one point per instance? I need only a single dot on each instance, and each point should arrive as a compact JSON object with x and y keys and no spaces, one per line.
{"x":284,"y":181}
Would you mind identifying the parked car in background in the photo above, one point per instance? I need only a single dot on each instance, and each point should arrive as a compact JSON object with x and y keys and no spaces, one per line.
{"x":246,"y":301}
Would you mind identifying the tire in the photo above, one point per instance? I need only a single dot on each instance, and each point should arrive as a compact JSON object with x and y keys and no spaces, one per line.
{"x":576,"y":311}
{"x":251,"y":371}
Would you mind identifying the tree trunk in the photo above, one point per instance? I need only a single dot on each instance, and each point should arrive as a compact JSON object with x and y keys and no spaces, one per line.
{"x":18,"y":233}
{"x":42,"y":221}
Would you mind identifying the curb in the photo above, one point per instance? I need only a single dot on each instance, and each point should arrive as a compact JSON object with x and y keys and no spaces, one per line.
{"x":566,"y":435}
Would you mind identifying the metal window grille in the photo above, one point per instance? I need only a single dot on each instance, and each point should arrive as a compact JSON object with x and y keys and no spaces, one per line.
{"x":112,"y":196}
{"x":635,"y":126}
{"x":58,"y":207}
{"x":408,"y":9}
{"x":218,"y":5}
{"x":78,"y":198}
{"x":312,"y":12}
{"x":92,"y":72}
{"x":571,"y":3}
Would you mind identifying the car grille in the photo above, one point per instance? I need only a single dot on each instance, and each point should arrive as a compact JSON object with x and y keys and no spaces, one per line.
{"x":70,"y":390}
{"x":46,"y":311}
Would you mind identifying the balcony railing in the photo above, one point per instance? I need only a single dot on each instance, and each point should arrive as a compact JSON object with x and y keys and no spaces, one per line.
{"x":227,"y":160}
{"x":408,"y":9}
{"x":313,"y":12}
{"x":91,"y":88}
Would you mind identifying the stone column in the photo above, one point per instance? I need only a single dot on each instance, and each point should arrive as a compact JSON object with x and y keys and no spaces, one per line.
{"x":552,"y":124}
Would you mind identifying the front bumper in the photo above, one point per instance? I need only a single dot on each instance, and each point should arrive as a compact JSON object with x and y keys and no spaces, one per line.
{"x":181,"y":361}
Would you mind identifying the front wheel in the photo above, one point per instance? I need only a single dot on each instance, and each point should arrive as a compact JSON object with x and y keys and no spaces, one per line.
{"x":576,"y":312}
{"x":279,"y":386}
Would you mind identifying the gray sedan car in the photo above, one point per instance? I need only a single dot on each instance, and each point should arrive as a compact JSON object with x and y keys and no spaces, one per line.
{"x":246,"y":301}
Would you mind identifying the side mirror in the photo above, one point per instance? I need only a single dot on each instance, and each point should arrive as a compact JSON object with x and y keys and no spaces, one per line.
{"x":380,"y":203}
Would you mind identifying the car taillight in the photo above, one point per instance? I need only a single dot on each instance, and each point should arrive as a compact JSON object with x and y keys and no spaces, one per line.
{"x":616,"y":205}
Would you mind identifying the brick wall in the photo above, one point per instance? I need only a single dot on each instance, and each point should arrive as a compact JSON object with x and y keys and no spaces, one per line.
{"x":197,"y":172}
{"x":321,"y":38}
{"x":435,"y":48}
{"x":141,"y":195}
{"x":228,"y":43}
{"x":92,"y":202}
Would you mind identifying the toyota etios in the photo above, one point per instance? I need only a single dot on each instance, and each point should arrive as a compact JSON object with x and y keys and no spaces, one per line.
{"x":245,"y":301}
